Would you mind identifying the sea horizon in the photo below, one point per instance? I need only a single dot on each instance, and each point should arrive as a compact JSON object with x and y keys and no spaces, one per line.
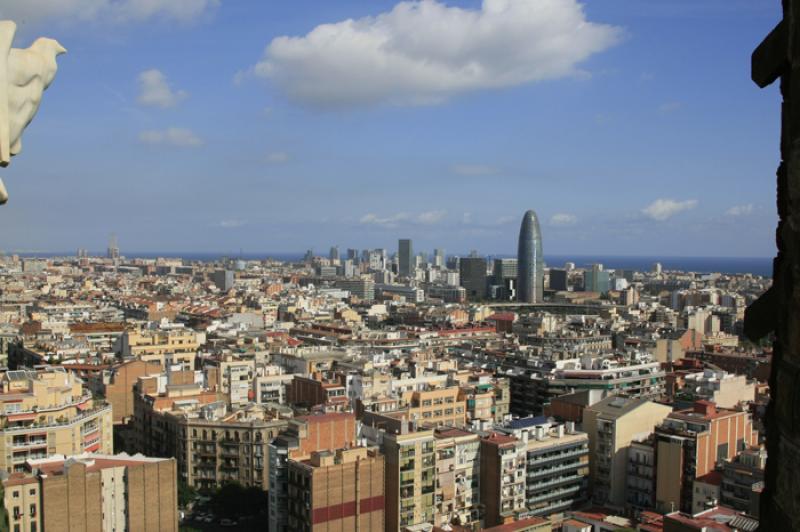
{"x":700,"y":264}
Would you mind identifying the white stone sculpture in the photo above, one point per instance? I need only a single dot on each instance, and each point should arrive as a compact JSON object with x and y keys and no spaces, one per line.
{"x":24,"y":75}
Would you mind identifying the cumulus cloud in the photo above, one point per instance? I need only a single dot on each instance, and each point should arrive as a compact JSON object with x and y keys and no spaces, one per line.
{"x":740,"y":210}
{"x":665,"y":208}
{"x":33,"y":11}
{"x":231,"y":224}
{"x":473,"y":170}
{"x":154,"y":90}
{"x":424,"y":52}
{"x":277,"y":157}
{"x":563,"y":219}
{"x":173,"y":136}
{"x":669,"y":107}
{"x":395,"y":220}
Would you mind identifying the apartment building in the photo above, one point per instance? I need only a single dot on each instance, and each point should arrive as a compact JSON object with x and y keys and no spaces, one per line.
{"x":640,"y":483}
{"x":457,"y":476}
{"x":613,"y":424}
{"x":116,"y":385}
{"x":436,"y":406}
{"x":410,"y":477}
{"x":743,"y":481}
{"x":168,"y":347}
{"x":692,"y":442}
{"x":503,"y":478}
{"x":724,"y":389}
{"x":557,"y":464}
{"x":302,"y":437}
{"x":212,"y":442}
{"x":93,"y":492}
{"x":47,"y":411}
{"x":337,"y":490}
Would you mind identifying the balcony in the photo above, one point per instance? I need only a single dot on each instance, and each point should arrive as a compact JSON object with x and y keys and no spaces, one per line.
{"x":549,"y":471}
{"x":558,"y":493}
{"x":80,"y":418}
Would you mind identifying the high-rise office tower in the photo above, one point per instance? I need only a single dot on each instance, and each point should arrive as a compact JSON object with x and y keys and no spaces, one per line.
{"x":113,"y":247}
{"x":530,"y":262}
{"x":405,"y":257}
{"x":472,"y":273}
{"x":334,"y":254}
{"x":438,"y":258}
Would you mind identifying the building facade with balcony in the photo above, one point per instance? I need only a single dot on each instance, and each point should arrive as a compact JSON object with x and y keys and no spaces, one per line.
{"x":47,"y":412}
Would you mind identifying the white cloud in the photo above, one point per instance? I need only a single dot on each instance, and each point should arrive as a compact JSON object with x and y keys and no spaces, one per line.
{"x":740,"y":210}
{"x":33,"y":11}
{"x":231,"y":224}
{"x":669,"y":107}
{"x":424,"y":52}
{"x":473,"y":170}
{"x":173,"y":136}
{"x":277,"y":157}
{"x":431,"y":217}
{"x":154,"y":90}
{"x":562,"y":219}
{"x":664,"y":208}
{"x":394,"y":220}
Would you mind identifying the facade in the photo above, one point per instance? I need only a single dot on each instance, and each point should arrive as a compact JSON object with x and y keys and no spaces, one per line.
{"x":556,"y":465}
{"x":116,"y":385}
{"x":743,"y":481}
{"x":472,"y":276}
{"x":457,"y":476}
{"x":212,"y":444}
{"x":691,"y":443}
{"x":302,"y":437}
{"x":612,"y":424}
{"x":530,"y":261}
{"x":640,"y":485}
{"x":92,"y":492}
{"x":410,"y":478}
{"x":503,"y":478}
{"x":363,"y":289}
{"x":405,"y":257}
{"x":558,"y":279}
{"x":341,"y":490}
{"x":46,"y":412}
{"x":167,"y":347}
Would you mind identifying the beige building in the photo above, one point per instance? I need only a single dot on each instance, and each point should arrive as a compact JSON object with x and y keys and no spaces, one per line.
{"x":437,"y":406}
{"x":116,"y":385}
{"x":612,"y":424}
{"x":410,"y":478}
{"x":338,"y":490}
{"x":48,"y":412}
{"x":457,"y":476}
{"x":724,"y":389}
{"x":502,"y":479}
{"x":168,"y":347}
{"x":212,"y":443}
{"x":89,"y":492}
{"x":693,"y":442}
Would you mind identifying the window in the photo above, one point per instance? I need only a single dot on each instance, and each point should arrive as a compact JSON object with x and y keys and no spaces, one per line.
{"x":722,"y":451}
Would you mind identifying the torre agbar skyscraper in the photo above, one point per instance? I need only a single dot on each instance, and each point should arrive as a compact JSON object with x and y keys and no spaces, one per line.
{"x":530,"y":263}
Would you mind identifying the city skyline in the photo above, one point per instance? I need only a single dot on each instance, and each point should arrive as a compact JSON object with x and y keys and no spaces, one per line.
{"x":199,"y":133}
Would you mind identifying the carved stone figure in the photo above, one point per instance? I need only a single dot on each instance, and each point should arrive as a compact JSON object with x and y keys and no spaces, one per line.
{"x":24,"y":75}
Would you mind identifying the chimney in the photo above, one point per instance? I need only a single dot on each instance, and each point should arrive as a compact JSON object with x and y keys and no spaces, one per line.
{"x":570,"y":427}
{"x":707,"y":408}
{"x":539,"y":433}
{"x":560,"y":431}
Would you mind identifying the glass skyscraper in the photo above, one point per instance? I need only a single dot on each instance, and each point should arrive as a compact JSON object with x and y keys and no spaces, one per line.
{"x":530,"y":262}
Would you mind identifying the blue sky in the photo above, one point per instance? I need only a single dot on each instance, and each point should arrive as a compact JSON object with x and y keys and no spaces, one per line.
{"x":204,"y":125}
